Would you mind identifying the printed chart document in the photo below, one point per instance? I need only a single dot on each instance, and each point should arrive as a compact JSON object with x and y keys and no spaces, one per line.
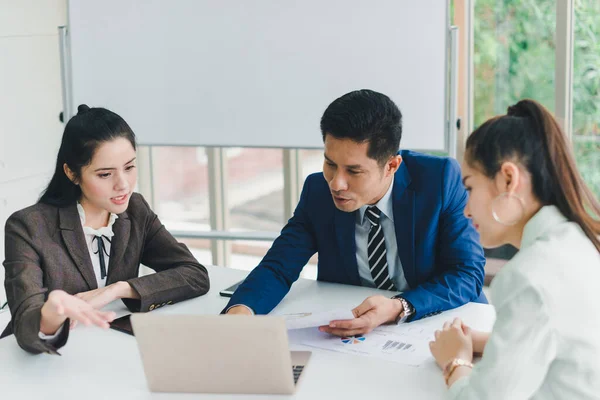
{"x":406,"y":343}
{"x":385,"y":344}
{"x":314,"y":319}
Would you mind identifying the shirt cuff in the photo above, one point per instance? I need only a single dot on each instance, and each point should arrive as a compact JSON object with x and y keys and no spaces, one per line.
{"x":457,"y":387}
{"x":51,"y":339}
{"x":241,"y":305}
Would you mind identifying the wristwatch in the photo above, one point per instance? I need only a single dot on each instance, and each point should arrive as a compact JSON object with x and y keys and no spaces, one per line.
{"x":407,"y":309}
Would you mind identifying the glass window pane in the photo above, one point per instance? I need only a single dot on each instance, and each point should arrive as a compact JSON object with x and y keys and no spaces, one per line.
{"x":311,"y":161}
{"x":586,"y":91}
{"x":255,"y":189}
{"x":180,"y":178}
{"x":246,"y":254}
{"x":514,"y":50}
{"x":180,"y":184}
{"x":255,"y":198}
{"x":200,"y":248}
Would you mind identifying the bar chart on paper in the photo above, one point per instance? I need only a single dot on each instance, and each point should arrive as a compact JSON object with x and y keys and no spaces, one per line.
{"x":391,"y":346}
{"x":383,"y":344}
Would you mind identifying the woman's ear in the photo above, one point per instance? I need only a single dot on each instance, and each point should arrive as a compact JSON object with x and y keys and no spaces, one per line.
{"x":508,"y":178}
{"x":70,"y":174}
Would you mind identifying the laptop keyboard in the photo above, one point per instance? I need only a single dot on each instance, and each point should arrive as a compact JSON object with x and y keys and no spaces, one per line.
{"x":297,"y":371}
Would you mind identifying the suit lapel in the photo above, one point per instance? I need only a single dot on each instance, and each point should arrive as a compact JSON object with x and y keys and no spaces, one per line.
{"x":74,"y":238}
{"x":403,"y":199}
{"x":344,"y":223}
{"x":122,"y":230}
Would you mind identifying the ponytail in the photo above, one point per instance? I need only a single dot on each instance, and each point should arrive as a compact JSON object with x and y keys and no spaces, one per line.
{"x":529,"y":133}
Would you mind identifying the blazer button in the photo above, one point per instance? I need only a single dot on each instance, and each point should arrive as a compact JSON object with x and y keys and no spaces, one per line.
{"x":152,"y":307}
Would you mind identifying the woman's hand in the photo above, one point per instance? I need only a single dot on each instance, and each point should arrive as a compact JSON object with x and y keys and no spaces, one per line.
{"x":98,"y":298}
{"x":61,"y":305}
{"x":454,"y":341}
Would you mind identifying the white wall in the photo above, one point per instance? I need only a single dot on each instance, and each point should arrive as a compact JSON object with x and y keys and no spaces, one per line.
{"x":30,"y":102}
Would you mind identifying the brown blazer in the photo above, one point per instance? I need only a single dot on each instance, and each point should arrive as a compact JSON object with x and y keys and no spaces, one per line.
{"x":46,"y":250}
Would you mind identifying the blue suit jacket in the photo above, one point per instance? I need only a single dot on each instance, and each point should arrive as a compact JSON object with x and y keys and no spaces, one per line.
{"x":438,"y":247}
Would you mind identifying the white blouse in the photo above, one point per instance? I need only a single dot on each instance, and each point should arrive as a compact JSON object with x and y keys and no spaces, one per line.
{"x":92,"y":246}
{"x":545,"y":343}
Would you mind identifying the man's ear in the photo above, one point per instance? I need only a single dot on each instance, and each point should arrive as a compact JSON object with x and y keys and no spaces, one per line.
{"x":393,"y":164}
{"x":508,"y":178}
{"x":70,"y":174}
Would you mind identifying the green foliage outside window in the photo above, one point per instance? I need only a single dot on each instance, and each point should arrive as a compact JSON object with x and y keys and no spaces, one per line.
{"x":514,"y":59}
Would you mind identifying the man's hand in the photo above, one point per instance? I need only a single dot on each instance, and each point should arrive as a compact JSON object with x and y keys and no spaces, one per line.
{"x":61,"y":305}
{"x":374,"y":311}
{"x":239,"y":310}
{"x":98,"y":298}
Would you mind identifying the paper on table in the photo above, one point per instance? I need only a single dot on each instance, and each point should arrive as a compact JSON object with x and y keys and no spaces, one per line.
{"x":403,"y":343}
{"x":382,"y":344}
{"x":308,"y":320}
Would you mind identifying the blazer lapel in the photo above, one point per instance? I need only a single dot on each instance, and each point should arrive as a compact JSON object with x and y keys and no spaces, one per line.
{"x":122,"y":230}
{"x":344,"y":223}
{"x":403,"y":199}
{"x":74,"y":238}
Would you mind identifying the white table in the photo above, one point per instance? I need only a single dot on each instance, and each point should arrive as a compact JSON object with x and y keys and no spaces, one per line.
{"x":102,"y":364}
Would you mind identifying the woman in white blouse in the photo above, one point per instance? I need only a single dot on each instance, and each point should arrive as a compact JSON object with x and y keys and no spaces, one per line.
{"x":525,"y":190}
{"x":80,"y":247}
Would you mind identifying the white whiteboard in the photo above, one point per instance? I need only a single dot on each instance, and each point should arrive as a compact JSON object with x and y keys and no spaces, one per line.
{"x":257,"y":72}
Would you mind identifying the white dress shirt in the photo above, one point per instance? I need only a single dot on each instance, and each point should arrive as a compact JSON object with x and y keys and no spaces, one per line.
{"x":361,"y":235}
{"x":545,"y":343}
{"x":92,"y":246}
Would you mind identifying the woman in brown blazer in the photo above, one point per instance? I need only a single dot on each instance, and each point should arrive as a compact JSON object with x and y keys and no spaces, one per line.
{"x":80,"y":247}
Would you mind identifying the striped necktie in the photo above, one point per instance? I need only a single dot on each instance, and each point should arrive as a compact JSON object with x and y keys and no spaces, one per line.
{"x":376,"y":251}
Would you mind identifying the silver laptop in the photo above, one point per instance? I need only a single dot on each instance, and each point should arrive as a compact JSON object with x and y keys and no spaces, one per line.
{"x":217,"y":354}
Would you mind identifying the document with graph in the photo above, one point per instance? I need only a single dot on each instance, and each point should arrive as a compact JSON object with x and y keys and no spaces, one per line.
{"x":397,"y":346}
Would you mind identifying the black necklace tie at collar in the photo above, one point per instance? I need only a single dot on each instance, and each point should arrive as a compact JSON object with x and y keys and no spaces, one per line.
{"x":101,"y":252}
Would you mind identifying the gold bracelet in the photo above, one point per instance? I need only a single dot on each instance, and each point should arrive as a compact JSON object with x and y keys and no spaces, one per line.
{"x":452,"y":365}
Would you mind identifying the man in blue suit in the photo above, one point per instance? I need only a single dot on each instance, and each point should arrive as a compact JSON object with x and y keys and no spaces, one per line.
{"x":377,"y":217}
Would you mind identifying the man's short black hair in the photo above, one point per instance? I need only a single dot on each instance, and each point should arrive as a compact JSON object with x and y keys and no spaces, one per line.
{"x":365,"y":116}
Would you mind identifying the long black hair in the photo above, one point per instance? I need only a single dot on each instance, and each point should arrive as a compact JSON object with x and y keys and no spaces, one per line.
{"x":529,"y":134}
{"x":82,"y":136}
